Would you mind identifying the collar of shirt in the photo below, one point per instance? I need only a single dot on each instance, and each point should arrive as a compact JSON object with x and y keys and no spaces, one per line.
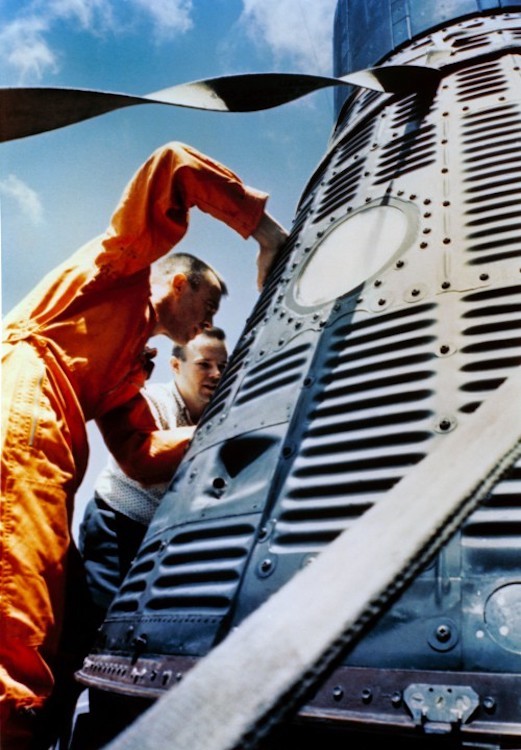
{"x":181,"y":404}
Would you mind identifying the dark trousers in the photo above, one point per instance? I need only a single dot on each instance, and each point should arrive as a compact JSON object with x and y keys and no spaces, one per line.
{"x":108,"y":542}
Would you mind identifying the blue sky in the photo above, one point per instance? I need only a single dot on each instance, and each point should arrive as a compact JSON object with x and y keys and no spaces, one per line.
{"x":58,"y":189}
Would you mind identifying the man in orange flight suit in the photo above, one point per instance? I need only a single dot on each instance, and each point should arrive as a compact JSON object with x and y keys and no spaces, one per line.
{"x":73,"y":351}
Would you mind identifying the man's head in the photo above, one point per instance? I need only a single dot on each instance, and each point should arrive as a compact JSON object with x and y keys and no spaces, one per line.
{"x":185,"y":295}
{"x":197,"y":367}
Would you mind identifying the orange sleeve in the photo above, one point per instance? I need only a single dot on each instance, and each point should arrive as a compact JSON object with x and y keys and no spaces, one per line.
{"x":145,"y":453}
{"x":152,"y":215}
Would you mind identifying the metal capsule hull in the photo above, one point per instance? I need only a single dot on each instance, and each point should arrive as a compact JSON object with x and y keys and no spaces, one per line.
{"x":393,"y":313}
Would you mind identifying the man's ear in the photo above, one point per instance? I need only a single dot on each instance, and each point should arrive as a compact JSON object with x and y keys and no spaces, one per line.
{"x":179,"y":282}
{"x":174,"y":365}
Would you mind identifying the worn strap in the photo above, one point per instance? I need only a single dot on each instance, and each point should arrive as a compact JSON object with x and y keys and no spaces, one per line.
{"x":27,"y":111}
{"x":235,"y":694}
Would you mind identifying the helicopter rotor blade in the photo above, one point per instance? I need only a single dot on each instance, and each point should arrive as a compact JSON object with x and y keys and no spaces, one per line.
{"x":28,"y":111}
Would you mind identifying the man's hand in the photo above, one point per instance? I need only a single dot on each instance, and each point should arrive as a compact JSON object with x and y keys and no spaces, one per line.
{"x":271,"y":236}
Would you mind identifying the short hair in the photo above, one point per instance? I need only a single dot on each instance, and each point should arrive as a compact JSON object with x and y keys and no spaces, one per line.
{"x":179,"y":350}
{"x":194,"y":268}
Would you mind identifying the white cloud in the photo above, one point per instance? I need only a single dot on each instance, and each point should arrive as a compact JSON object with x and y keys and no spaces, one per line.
{"x":168,"y":15}
{"x":89,"y":13}
{"x":298,"y":32}
{"x":26,"y":50}
{"x":24,"y":197}
{"x":23,"y":47}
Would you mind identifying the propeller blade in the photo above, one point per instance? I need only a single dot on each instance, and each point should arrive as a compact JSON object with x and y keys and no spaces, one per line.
{"x":29,"y":111}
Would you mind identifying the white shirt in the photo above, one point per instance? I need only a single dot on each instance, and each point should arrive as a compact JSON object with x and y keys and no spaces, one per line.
{"x":123,"y":494}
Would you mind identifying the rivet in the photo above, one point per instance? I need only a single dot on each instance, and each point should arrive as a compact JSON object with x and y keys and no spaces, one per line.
{"x":445,"y":284}
{"x":367,"y":695}
{"x":483,"y":276}
{"x":338,"y":693}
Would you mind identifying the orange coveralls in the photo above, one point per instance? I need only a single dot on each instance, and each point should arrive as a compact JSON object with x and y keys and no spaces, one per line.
{"x":72,"y":352}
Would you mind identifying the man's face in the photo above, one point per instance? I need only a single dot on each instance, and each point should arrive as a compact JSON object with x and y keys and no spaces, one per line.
{"x":197,"y":375}
{"x":186,"y":311}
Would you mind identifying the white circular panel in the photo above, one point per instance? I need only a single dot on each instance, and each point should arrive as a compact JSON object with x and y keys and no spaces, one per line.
{"x":350,"y":253}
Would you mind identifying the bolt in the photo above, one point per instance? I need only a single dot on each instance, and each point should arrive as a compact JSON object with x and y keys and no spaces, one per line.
{"x":396,"y":698}
{"x":443,"y":633}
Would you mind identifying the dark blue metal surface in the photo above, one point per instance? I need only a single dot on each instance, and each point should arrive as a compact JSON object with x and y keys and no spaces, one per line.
{"x":367,"y":31}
